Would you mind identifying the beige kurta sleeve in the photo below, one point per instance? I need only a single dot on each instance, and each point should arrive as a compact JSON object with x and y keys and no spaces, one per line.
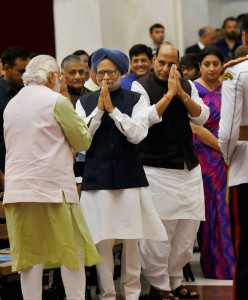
{"x":74,"y":127}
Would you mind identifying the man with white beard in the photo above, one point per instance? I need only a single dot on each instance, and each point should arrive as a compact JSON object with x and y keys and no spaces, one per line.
{"x":45,"y":223}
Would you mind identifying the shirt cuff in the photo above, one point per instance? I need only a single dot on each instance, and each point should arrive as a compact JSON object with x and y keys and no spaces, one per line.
{"x":116,"y":115}
{"x":97,"y":114}
{"x":153,"y":115}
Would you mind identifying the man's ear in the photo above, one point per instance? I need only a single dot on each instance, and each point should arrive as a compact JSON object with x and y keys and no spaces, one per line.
{"x":51,"y":80}
{"x":6,"y":67}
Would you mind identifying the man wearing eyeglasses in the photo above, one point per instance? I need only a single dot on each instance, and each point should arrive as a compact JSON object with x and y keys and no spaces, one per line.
{"x":74,"y":71}
{"x":140,"y":62}
{"x":115,"y":198}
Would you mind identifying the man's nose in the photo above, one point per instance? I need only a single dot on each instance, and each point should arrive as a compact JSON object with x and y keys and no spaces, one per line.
{"x":166,"y":68}
{"x":77,"y":75}
{"x":106,"y":76}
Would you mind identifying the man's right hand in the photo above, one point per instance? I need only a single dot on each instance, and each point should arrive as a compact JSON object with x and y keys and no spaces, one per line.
{"x":173,"y":81}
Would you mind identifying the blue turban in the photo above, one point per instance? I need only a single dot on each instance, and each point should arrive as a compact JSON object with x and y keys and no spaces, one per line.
{"x":117,"y":57}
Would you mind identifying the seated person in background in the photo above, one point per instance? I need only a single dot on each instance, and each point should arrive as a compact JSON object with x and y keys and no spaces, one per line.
{"x":141,"y":63}
{"x":85,"y":57}
{"x":74,"y":70}
{"x":206,"y":38}
{"x":189,"y":66}
{"x":91,"y":84}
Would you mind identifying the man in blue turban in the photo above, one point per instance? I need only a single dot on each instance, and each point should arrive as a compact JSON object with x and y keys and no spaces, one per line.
{"x":115,"y":198}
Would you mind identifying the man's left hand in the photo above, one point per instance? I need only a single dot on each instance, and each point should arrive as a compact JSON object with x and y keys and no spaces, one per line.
{"x":108,"y":105}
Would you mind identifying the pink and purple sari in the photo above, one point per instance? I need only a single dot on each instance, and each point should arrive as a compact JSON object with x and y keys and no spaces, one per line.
{"x":214,"y":236}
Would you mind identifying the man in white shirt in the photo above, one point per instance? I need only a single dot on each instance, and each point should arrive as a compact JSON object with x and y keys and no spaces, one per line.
{"x":173,"y":172}
{"x":115,"y":197}
{"x":233,"y":141}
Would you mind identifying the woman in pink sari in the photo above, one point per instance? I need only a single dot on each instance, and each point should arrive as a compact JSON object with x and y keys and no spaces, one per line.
{"x":214,"y":236}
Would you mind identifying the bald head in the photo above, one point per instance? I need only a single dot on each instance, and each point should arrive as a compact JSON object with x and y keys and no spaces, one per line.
{"x":207,"y":36}
{"x":167,"y":55}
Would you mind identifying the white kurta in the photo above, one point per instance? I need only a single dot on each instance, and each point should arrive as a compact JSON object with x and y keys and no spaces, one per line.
{"x":126,"y":213}
{"x":233,"y":114}
{"x":177,"y":194}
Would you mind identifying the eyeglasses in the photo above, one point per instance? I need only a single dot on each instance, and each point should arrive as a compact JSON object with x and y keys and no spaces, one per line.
{"x":110,"y":72}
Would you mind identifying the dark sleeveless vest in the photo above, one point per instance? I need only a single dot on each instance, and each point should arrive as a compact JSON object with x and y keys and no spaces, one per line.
{"x":169,"y":144}
{"x":112,"y":162}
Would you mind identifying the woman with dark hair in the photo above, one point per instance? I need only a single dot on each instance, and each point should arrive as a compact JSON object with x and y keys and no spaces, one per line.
{"x":214,"y":236}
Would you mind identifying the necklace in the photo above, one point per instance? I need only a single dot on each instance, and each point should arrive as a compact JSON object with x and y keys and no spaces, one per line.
{"x":212,"y":86}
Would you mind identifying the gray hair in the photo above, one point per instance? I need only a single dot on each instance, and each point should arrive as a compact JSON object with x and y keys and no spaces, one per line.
{"x":38,"y":69}
{"x":70,"y":59}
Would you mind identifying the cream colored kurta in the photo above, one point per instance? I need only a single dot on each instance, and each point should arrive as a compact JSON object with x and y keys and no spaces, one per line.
{"x":43,"y":231}
{"x":39,"y":160}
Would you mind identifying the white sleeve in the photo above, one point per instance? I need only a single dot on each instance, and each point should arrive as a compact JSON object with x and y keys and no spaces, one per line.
{"x":135,"y":128}
{"x":153,"y":116}
{"x":93,"y":121}
{"x":230,"y":115}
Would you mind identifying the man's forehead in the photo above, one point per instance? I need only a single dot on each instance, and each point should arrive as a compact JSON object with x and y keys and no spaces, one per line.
{"x":139,"y":55}
{"x":106,"y":62}
{"x":19,"y":62}
{"x":158,"y":30}
{"x":75,"y":65}
{"x":168,"y":51}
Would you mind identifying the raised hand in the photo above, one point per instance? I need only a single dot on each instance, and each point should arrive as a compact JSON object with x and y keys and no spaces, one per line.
{"x":105,"y":98}
{"x":63,"y":88}
{"x":100,"y":104}
{"x":172,"y":81}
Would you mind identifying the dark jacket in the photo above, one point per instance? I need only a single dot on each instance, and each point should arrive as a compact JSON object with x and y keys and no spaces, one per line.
{"x":169,"y":144}
{"x":112,"y":162}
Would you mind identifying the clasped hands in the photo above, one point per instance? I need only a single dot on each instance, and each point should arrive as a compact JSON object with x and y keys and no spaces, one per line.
{"x":104,"y":101}
{"x":174,"y":86}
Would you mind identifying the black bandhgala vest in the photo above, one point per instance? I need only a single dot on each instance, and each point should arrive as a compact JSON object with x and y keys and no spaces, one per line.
{"x":169,"y":144}
{"x":112,"y":162}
